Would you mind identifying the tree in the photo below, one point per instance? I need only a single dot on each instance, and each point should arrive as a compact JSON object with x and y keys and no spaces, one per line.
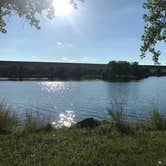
{"x":155,"y":28}
{"x":30,"y":10}
{"x":124,"y":71}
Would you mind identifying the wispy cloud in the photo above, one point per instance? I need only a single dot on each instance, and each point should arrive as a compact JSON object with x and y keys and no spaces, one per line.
{"x":60,"y":44}
{"x":64,"y":44}
{"x":69,"y":60}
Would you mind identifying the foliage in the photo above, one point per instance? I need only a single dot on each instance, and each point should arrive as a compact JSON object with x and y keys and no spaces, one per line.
{"x":30,"y":10}
{"x":50,"y":71}
{"x":123,"y":70}
{"x":155,"y":28}
{"x":8,"y":120}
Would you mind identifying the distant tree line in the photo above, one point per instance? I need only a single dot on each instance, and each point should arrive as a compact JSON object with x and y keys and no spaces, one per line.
{"x":113,"y":71}
{"x":122,"y":70}
{"x":52,"y":73}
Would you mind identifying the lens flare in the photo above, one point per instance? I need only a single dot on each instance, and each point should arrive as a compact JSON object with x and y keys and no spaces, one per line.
{"x":62,"y":7}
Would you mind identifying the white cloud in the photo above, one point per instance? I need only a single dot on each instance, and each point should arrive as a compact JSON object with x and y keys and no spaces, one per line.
{"x":63,"y":44}
{"x":67,"y":59}
{"x":60,"y":44}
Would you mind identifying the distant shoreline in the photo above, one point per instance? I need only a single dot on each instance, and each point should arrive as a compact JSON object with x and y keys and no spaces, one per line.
{"x":41,"y":79}
{"x":48,"y":79}
{"x":23,"y":79}
{"x":114,"y":71}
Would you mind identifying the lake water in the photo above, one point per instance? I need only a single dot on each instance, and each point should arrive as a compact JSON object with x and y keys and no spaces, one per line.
{"x":83,"y":99}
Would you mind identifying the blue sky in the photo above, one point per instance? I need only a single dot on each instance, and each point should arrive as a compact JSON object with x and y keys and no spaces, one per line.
{"x":98,"y":32}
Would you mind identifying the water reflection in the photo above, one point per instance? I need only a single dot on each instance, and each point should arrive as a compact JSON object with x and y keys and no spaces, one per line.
{"x":65,"y":119}
{"x":52,"y":86}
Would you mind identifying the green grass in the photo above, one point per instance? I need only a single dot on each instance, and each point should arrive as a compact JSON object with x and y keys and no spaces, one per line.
{"x":68,"y":147}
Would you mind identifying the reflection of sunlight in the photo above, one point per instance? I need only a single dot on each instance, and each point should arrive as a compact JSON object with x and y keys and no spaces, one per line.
{"x":52,"y":86}
{"x":65,"y":120}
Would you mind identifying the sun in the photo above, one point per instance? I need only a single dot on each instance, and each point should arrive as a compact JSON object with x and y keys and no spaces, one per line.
{"x":62,"y":7}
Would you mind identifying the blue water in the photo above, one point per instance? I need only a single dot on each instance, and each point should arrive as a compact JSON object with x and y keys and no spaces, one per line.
{"x":84,"y":98}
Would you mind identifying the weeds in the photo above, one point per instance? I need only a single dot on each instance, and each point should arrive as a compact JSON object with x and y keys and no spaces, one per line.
{"x":32,"y":124}
{"x":9,"y":123}
{"x":118,"y":118}
{"x":157,"y":121}
{"x":8,"y":120}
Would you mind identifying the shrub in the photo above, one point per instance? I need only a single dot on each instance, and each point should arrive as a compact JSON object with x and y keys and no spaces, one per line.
{"x":8,"y":120}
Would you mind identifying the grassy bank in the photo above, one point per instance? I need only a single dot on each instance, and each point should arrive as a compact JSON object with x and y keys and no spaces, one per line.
{"x":99,"y":146}
{"x":88,"y":143}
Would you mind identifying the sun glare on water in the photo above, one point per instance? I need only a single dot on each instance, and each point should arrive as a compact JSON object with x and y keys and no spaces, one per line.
{"x":62,"y":7}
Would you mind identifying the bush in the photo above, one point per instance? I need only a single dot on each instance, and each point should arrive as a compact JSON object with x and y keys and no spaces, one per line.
{"x":8,"y":120}
{"x":157,"y":120}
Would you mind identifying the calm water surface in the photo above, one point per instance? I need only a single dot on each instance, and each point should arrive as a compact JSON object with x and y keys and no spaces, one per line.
{"x":82,"y":99}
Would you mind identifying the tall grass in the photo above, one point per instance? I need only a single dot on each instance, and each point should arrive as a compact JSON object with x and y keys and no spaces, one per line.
{"x":32,"y":124}
{"x":118,"y":118}
{"x":8,"y":120}
{"x":157,"y":121}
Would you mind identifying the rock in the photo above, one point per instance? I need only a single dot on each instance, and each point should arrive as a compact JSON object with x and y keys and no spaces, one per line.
{"x":88,"y":123}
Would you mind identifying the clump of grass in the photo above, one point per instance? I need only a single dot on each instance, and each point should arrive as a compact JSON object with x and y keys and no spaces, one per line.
{"x":118,"y":118}
{"x":141,"y":126}
{"x":32,"y":124}
{"x":157,"y":121}
{"x":8,"y":120}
